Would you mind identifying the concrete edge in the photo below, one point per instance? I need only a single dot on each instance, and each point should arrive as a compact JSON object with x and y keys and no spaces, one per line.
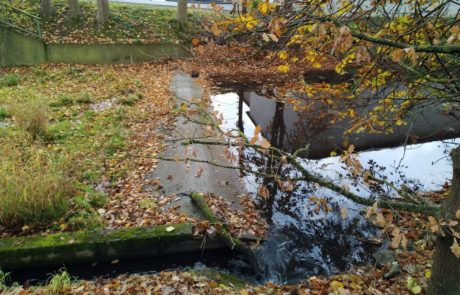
{"x":100,"y":246}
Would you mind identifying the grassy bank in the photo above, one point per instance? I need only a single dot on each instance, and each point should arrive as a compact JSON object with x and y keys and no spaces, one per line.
{"x":129,"y":23}
{"x":60,"y":128}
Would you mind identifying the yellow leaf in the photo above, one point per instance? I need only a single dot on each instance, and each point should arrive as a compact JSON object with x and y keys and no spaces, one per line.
{"x":399,"y":122}
{"x":283,"y":54}
{"x":428,"y":274}
{"x":457,"y":215}
{"x":344,"y":213}
{"x":339,"y":68}
{"x":283,"y":68}
{"x":455,"y":248}
{"x":336,"y":285}
{"x":264,"y":7}
{"x":255,"y":136}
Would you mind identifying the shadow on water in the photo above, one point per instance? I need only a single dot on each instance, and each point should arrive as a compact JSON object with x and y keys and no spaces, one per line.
{"x":303,"y":240}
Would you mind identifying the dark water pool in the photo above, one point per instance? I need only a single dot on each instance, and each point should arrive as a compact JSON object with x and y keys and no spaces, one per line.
{"x":302,"y":241}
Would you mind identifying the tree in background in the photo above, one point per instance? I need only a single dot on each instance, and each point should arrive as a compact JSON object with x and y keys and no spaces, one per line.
{"x":404,"y":56}
{"x":46,"y":8}
{"x":103,"y":12}
{"x":182,"y":11}
{"x":74,"y":9}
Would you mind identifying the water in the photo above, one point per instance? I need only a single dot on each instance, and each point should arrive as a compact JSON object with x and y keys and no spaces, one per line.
{"x":302,"y":241}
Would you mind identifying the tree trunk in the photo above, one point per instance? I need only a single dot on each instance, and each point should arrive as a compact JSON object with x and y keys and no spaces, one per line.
{"x":46,"y":8}
{"x":445,"y":278}
{"x":182,"y":11}
{"x":74,"y":8}
{"x":103,"y":12}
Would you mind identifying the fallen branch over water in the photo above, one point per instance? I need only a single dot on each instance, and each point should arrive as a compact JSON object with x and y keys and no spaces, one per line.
{"x":428,"y":209}
{"x":224,"y":235}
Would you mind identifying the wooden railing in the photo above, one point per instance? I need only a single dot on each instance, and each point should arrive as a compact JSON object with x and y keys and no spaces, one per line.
{"x":20,"y":20}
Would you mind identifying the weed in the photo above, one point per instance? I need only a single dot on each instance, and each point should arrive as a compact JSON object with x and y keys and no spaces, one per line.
{"x":129,"y":100}
{"x":114,"y":144}
{"x":32,"y":117}
{"x":62,"y":101}
{"x":88,"y":220}
{"x":83,"y":98}
{"x":59,"y":282}
{"x":9,"y":80}
{"x":4,"y":113}
{"x":4,"y":278}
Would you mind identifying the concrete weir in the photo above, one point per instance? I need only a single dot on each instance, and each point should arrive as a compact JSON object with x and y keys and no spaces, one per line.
{"x":178,"y":177}
{"x":54,"y":250}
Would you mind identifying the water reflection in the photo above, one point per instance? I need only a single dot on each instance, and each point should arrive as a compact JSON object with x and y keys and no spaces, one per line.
{"x":303,"y":241}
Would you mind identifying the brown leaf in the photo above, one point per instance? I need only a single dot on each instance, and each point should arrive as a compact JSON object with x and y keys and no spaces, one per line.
{"x":263,"y":191}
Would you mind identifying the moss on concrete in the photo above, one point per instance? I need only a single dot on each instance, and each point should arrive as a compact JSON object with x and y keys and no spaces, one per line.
{"x":98,"y":246}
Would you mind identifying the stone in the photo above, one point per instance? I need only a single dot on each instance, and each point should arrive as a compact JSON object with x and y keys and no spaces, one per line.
{"x":384,"y":257}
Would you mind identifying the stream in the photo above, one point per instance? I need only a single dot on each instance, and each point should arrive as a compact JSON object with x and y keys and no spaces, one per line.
{"x":303,"y":241}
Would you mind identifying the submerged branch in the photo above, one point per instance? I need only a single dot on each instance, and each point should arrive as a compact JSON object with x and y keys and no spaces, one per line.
{"x":224,"y":235}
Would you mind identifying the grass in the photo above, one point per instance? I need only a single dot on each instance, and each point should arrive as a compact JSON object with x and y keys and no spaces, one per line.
{"x":56,"y":148}
{"x":4,"y":278}
{"x":34,"y":184}
{"x":4,"y":113}
{"x":31,"y":116}
{"x":59,"y":282}
{"x":9,"y":80}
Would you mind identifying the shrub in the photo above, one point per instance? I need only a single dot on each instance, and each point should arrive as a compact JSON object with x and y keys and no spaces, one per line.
{"x":9,"y":80}
{"x":32,"y":117}
{"x":34,"y":186}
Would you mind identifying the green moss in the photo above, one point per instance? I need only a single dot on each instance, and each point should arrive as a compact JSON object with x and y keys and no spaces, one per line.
{"x":88,"y":247}
{"x":87,"y":237}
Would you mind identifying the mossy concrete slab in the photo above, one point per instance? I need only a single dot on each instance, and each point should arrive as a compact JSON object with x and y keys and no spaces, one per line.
{"x":99,"y":246}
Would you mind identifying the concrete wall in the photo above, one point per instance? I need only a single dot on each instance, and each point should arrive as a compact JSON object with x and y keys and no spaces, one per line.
{"x":20,"y":50}
{"x":112,"y":53}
